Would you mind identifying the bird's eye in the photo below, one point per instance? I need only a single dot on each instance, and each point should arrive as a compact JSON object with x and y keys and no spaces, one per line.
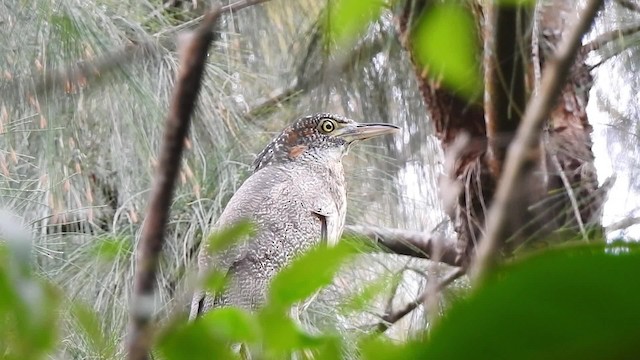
{"x":327,"y":126}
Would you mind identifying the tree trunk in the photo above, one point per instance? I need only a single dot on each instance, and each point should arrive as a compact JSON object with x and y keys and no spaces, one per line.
{"x":560,"y":191}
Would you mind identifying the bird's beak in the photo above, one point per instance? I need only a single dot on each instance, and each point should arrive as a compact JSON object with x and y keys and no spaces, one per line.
{"x":366,"y":131}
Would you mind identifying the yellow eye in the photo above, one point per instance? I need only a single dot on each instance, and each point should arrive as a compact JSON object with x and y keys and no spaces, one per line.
{"x":327,"y":126}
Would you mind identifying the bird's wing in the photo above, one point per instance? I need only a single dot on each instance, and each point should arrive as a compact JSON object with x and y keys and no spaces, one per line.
{"x":260,"y":199}
{"x":323,"y":228}
{"x":327,"y":212}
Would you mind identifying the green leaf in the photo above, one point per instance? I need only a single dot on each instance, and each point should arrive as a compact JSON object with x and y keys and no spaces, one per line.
{"x":376,"y":348}
{"x":573,"y":303}
{"x":88,"y":322}
{"x":232,"y":324}
{"x":446,"y":46}
{"x":330,"y":349}
{"x":347,"y":20}
{"x":527,"y":3}
{"x":282,"y":335}
{"x":227,"y":236}
{"x":28,"y":306}
{"x":307,"y":274}
{"x":360,"y":300}
{"x":215,"y":281}
{"x":112,"y":248}
{"x":195,"y":340}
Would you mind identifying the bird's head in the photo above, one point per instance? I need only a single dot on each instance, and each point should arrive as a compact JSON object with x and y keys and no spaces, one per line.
{"x":318,"y":137}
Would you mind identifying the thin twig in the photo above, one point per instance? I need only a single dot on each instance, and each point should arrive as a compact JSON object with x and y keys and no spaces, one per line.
{"x":393,"y":317}
{"x":84,"y":71}
{"x":193,"y":56}
{"x":572,"y":197}
{"x":309,"y":80}
{"x":527,"y":136}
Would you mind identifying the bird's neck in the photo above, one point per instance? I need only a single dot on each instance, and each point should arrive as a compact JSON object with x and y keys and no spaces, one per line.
{"x":332,"y":171}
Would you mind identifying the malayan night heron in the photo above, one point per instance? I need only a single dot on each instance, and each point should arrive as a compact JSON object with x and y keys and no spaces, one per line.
{"x":295,"y":198}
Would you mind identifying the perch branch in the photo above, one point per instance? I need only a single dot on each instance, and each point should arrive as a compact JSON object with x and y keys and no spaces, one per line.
{"x":411,"y":243}
{"x":417,"y":244}
{"x":193,"y":56}
{"x":528,"y":134}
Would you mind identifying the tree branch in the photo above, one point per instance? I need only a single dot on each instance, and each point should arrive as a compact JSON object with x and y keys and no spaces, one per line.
{"x":610,"y":36}
{"x":623,"y":224}
{"x":78,"y":74}
{"x":307,"y":81}
{"x":193,"y":56}
{"x":527,"y":136}
{"x":629,"y":5}
{"x":417,"y":244}
{"x":411,"y":243}
{"x":393,"y":317}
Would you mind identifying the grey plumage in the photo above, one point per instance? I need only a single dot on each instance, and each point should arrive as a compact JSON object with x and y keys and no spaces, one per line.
{"x":295,"y":198}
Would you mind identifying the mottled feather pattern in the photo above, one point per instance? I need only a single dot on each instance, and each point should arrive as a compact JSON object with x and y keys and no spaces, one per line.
{"x":295,"y":198}
{"x":302,"y":133}
{"x":282,"y":199}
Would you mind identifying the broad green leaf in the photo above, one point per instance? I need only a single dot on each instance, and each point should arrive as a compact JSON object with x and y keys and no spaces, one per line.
{"x":446,"y":46}
{"x":572,"y":303}
{"x":29,"y":306}
{"x":330,"y":349}
{"x":193,"y":340}
{"x":28,"y":317}
{"x":307,"y":274}
{"x":281,"y":335}
{"x":347,"y":20}
{"x":215,"y":281}
{"x":232,"y":324}
{"x":376,"y":348}
{"x":227,"y":236}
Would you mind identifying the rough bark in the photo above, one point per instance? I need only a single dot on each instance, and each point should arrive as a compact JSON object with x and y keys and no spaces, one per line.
{"x":543,"y":205}
{"x":453,"y":117}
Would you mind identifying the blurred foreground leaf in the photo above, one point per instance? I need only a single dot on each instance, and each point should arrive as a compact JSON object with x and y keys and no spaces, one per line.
{"x":223,"y":238}
{"x":28,"y":309}
{"x":88,"y":321}
{"x":232,"y":324}
{"x":347,"y":20}
{"x":193,"y":340}
{"x":307,"y":274}
{"x":282,"y":335}
{"x":446,"y":45}
{"x":570,"y":303}
{"x":369,"y":291}
{"x":110,"y":249}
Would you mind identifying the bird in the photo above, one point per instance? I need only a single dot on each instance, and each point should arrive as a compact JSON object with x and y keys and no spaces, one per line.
{"x":295,"y":198}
